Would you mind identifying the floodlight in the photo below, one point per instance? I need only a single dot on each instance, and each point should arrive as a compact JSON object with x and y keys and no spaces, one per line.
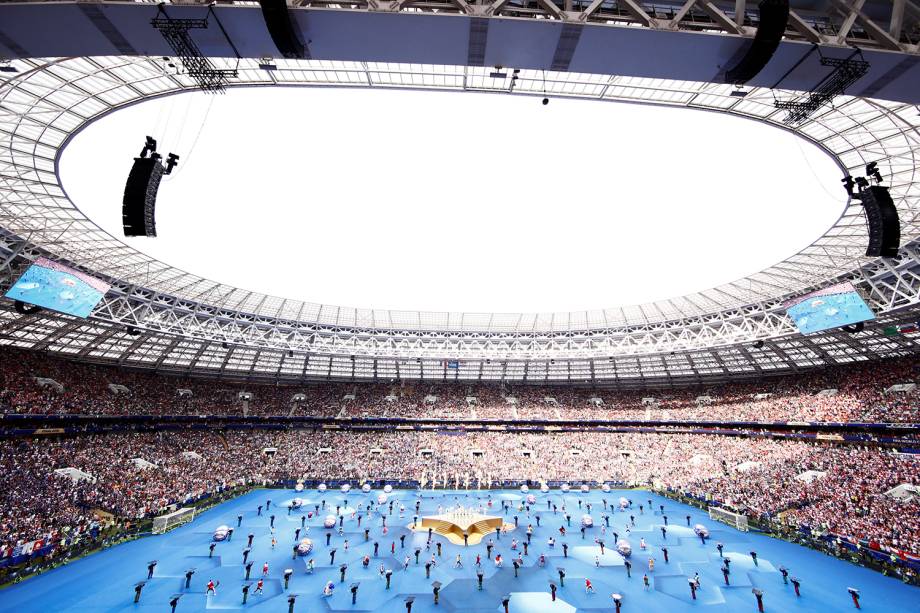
{"x":848,"y":184}
{"x":171,"y":160}
{"x":150,"y":146}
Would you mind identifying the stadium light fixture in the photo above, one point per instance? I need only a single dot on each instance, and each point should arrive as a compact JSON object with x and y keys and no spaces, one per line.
{"x":848,"y":184}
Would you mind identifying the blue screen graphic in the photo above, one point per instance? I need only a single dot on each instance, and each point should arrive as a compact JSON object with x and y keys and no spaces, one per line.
{"x":833,"y":307}
{"x":59,"y":288}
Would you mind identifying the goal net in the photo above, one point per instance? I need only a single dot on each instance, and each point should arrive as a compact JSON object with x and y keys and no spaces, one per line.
{"x":738,"y":520}
{"x":165,"y":523}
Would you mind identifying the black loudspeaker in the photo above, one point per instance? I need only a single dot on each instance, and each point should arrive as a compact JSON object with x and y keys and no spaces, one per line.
{"x":774,"y":14}
{"x":283,"y":30}
{"x":859,"y":326}
{"x":24,"y":308}
{"x":139,"y":203}
{"x":882,"y":217}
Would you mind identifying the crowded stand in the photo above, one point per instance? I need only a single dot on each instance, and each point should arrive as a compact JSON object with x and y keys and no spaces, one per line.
{"x":126,"y":477}
{"x":33,"y":383}
{"x":56,"y":490}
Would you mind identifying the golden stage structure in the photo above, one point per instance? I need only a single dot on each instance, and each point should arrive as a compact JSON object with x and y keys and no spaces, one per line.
{"x":455,"y":523}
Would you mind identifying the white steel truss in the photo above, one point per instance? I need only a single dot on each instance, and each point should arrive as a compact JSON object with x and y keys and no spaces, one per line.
{"x":191,"y":322}
{"x":104,"y":342}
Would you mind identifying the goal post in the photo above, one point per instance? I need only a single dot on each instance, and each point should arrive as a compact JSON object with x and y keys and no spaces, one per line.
{"x":165,"y":523}
{"x":737,"y":520}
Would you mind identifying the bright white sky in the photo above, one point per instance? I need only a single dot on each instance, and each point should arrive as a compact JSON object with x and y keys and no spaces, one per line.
{"x":463,"y":202}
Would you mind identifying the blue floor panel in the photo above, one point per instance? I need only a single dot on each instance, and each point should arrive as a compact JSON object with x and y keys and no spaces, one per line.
{"x":104,"y":581}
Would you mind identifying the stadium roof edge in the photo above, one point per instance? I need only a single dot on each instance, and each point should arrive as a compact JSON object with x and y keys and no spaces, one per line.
{"x":66,"y":94}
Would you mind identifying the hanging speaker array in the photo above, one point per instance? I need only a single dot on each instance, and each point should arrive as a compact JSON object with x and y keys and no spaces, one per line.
{"x":283,"y":29}
{"x":138,"y":206}
{"x":774,"y":14}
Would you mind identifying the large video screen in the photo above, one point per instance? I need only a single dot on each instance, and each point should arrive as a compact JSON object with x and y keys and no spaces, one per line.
{"x":831,"y":307}
{"x":59,"y":288}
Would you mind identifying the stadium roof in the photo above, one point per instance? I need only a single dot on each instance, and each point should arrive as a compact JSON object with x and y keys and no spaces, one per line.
{"x":185,"y":319}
